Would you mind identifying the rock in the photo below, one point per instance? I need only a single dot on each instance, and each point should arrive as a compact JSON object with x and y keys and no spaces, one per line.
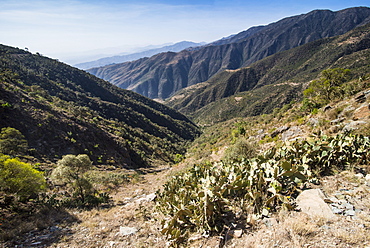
{"x":270,"y":222}
{"x":360,"y":98}
{"x":36,"y":243}
{"x":313,"y":121}
{"x":346,"y":111}
{"x":337,"y":120}
{"x":125,"y":230}
{"x":146,"y":198}
{"x":279,"y":131}
{"x":348,"y":206}
{"x":367,"y":177}
{"x":353,"y":125}
{"x":326,"y":108}
{"x":359,"y":175}
{"x":236,"y":233}
{"x":291,"y":133}
{"x":362,"y":112}
{"x":337,"y":210}
{"x":349,"y":213}
{"x":312,"y":203}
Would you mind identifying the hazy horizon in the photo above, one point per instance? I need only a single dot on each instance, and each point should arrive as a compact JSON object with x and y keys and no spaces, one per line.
{"x":61,"y":29}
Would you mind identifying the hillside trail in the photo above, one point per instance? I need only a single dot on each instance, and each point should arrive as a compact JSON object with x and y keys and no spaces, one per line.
{"x":128,"y":222}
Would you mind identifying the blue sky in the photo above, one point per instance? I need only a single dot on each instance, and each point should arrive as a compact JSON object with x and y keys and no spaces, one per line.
{"x":66,"y":28}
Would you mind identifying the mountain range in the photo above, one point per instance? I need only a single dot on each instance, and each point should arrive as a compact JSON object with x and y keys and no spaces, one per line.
{"x":177,"y":47}
{"x":162,"y":75}
{"x":273,"y":81}
{"x":63,"y":110}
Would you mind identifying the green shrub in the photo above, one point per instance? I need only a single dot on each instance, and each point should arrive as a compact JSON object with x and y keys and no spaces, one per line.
{"x":241,"y":149}
{"x":20,"y":178}
{"x":71,"y":170}
{"x":208,"y":196}
{"x":12,"y":142}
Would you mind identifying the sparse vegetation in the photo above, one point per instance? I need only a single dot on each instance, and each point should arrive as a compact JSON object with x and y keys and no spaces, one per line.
{"x":258,"y":150}
{"x":72,"y":170}
{"x":208,"y":197}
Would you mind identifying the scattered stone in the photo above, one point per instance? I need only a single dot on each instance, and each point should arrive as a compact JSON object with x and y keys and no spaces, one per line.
{"x":146,"y":198}
{"x":291,"y":133}
{"x":360,"y":98}
{"x":349,"y":213}
{"x":359,"y":175}
{"x":337,"y":120}
{"x":270,"y":222}
{"x":279,"y":131}
{"x":313,"y":122}
{"x":362,"y":112}
{"x":353,"y":125}
{"x":236,"y":233}
{"x":312,"y":203}
{"x":367,"y":177}
{"x":36,"y":243}
{"x":326,"y":108}
{"x":125,"y":230}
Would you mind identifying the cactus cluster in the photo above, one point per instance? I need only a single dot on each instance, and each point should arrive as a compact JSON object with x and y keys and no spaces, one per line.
{"x":205,"y":198}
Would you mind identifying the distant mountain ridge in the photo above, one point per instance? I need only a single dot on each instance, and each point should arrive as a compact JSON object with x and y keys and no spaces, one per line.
{"x":177,"y":47}
{"x":62,"y":110}
{"x":273,"y":81}
{"x":162,"y":75}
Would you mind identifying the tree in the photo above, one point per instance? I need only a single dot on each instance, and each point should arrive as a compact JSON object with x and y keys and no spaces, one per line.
{"x":70,"y":170}
{"x":20,"y":178}
{"x":328,"y":87}
{"x":12,"y":142}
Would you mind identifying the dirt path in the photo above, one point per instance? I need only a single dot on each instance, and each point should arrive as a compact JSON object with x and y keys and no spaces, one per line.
{"x":128,"y":223}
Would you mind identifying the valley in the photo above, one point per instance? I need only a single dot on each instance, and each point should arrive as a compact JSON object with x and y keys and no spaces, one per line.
{"x":240,"y":129}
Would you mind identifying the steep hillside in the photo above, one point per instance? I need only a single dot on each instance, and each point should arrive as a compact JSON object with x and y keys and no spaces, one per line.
{"x":164,"y":74}
{"x":62,"y":110}
{"x":273,"y":81}
{"x":134,"y":56}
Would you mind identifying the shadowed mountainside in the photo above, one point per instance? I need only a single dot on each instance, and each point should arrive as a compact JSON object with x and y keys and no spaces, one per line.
{"x":63,"y":110}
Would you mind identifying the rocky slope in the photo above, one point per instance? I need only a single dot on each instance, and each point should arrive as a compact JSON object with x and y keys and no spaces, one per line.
{"x":164,"y":74}
{"x":273,"y":81}
{"x":62,"y":110}
{"x":131,"y":220}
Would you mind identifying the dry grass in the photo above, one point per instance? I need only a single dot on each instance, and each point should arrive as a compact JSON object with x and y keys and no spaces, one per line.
{"x":295,"y":229}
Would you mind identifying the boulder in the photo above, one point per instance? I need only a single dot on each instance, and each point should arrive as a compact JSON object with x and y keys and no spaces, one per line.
{"x":312,"y":203}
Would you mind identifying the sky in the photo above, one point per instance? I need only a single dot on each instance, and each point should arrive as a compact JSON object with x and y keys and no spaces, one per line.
{"x":75,"y":29}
